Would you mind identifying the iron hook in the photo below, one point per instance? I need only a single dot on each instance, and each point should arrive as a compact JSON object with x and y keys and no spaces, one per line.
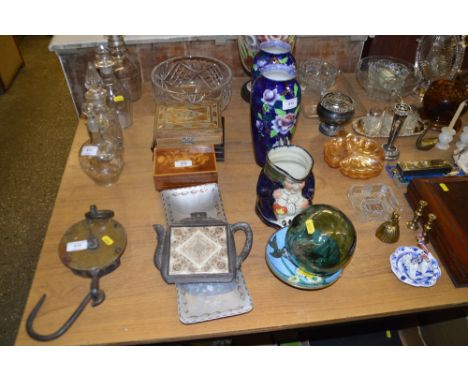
{"x":96,"y":296}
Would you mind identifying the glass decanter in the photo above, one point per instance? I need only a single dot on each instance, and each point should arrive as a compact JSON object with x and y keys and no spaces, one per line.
{"x":100,"y":157}
{"x":117,"y":96}
{"x":96,"y":103}
{"x":127,"y":68}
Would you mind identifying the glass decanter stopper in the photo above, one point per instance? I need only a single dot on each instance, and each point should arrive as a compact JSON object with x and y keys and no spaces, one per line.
{"x":127,"y":68}
{"x":96,"y":102}
{"x":117,"y":96}
{"x":100,"y":157}
{"x":401,"y":111}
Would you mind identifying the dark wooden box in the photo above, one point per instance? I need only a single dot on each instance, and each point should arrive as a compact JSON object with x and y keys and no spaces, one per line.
{"x":447,"y":197}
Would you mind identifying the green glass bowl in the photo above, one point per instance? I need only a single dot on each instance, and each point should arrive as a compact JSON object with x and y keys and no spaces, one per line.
{"x":321,"y":239}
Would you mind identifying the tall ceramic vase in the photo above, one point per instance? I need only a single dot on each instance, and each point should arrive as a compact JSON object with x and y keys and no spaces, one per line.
{"x":272,"y":52}
{"x":274,"y":108}
{"x":249,"y":46}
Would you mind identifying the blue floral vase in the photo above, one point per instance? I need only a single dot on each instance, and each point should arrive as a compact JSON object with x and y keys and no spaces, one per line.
{"x":274,"y":108}
{"x":272,"y":52}
{"x":285,"y":186}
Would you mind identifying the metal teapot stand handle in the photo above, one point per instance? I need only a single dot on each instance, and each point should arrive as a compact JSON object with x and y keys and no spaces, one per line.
{"x":244,"y":227}
{"x":95,"y":296}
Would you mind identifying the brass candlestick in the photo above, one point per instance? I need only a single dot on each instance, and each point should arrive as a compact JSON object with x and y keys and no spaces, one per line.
{"x":413,"y":224}
{"x":428,"y":226}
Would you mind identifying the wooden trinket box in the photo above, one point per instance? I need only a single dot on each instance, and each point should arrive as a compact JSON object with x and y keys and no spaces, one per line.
{"x":184,"y":166}
{"x":176,"y":125}
{"x":446,"y":198}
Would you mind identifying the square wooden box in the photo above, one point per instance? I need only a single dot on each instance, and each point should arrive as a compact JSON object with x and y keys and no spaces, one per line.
{"x":184,"y":166}
{"x":176,"y":125}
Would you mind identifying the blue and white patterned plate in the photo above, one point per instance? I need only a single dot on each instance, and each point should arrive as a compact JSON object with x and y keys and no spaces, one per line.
{"x":283,"y":268}
{"x":415,"y":267}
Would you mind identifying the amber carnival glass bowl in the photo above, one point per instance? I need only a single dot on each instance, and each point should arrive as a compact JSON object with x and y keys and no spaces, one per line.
{"x":192,"y":80}
{"x":356,"y":157}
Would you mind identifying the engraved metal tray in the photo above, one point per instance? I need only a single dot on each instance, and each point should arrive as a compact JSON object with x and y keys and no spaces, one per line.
{"x":180,"y":203}
{"x":198,"y":302}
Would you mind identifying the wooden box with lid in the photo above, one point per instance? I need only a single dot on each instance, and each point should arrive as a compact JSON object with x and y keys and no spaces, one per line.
{"x":182,"y":124}
{"x":185,"y":166}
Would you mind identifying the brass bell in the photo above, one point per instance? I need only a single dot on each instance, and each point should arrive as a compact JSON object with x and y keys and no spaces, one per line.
{"x":389,"y":231}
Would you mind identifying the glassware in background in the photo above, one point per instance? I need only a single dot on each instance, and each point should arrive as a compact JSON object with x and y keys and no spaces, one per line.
{"x":127,"y":68}
{"x":438,"y":57}
{"x":386,"y":78}
{"x":101,"y":157}
{"x":192,"y":80}
{"x":316,"y":77}
{"x":117,"y":97}
{"x":373,"y":122}
{"x":96,"y":102}
{"x":441,"y":101}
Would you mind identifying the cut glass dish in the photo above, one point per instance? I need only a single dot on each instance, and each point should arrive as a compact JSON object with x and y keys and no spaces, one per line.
{"x":374,"y":201}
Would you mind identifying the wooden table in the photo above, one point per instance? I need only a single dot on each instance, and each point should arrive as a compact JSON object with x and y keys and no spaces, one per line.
{"x":141,"y":308}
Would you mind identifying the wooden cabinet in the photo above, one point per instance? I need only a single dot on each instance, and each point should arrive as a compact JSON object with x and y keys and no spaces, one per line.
{"x":11,"y":61}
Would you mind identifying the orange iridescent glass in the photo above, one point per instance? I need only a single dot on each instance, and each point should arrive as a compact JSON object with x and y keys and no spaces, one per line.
{"x":356,"y":157}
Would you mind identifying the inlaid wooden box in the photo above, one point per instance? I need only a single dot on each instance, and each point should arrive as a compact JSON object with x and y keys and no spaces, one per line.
{"x":176,"y":125}
{"x":184,"y":166}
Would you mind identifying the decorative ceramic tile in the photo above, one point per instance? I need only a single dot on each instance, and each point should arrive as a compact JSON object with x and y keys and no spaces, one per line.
{"x":198,"y":302}
{"x":196,"y":250}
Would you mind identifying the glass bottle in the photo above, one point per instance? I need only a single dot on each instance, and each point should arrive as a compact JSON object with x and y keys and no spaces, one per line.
{"x":127,"y":68}
{"x":117,"y":96}
{"x":96,"y":103}
{"x":100,"y":157}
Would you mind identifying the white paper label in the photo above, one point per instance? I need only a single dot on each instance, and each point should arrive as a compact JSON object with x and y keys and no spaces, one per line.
{"x":90,"y":151}
{"x":289,"y":103}
{"x":74,"y":246}
{"x":183,"y":163}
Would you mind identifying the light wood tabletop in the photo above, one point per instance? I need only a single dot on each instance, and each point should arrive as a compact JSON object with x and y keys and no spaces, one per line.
{"x":141,"y":308}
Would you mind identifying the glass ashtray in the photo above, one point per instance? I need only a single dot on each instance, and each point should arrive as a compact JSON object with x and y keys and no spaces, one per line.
{"x":374,"y":201}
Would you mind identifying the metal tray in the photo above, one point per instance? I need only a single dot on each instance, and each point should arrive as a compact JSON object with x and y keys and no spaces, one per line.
{"x":180,"y":203}
{"x":198,"y":302}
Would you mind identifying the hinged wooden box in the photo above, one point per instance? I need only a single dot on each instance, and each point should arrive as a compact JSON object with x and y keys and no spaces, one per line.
{"x":184,"y":166}
{"x":176,"y":125}
{"x":446,"y":197}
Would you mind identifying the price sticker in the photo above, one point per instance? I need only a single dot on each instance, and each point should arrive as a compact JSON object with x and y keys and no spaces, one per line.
{"x":290,"y":103}
{"x":119,"y":98}
{"x":107,"y":240}
{"x":444,"y":187}
{"x":183,"y":163}
{"x":74,"y":246}
{"x":310,"y":226}
{"x":90,"y":151}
